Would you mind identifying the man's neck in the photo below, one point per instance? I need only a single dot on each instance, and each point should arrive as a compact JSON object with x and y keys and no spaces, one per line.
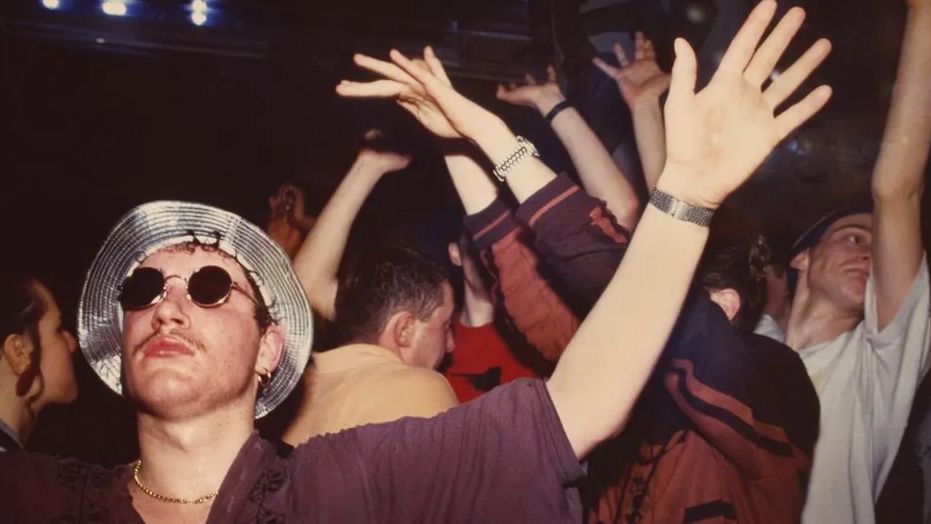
{"x":813,"y":322}
{"x":16,"y":415}
{"x":190,"y":458}
{"x":477,"y":308}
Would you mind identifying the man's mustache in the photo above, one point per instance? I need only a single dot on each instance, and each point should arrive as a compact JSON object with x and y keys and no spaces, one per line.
{"x":190,"y":339}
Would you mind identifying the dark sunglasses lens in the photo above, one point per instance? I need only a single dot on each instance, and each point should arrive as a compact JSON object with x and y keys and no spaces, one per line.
{"x":142,"y":288}
{"x":209,"y":286}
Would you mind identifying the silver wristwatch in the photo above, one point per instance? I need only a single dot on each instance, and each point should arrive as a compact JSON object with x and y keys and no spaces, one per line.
{"x":680,"y":209}
{"x":524,"y":148}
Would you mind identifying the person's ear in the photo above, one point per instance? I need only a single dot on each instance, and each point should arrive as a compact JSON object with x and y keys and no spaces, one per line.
{"x":17,"y":351}
{"x":402,"y":326}
{"x":729,"y":300}
{"x":455,"y":256}
{"x":801,"y":261}
{"x":271,"y":349}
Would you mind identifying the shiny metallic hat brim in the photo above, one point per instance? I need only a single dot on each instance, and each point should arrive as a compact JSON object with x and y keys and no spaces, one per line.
{"x":156,"y":225}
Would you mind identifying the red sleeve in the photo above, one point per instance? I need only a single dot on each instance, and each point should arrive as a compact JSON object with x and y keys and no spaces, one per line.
{"x":534,"y":308}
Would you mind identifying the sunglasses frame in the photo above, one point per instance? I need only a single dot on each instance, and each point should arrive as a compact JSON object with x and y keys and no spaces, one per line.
{"x":157,"y":299}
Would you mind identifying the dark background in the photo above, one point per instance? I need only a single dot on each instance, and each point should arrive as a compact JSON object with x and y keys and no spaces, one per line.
{"x":98,"y":114}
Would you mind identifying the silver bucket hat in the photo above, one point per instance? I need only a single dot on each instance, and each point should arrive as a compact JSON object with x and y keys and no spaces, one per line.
{"x":156,"y":225}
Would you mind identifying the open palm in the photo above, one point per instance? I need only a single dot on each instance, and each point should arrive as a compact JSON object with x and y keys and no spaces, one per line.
{"x":717,"y":137}
{"x":641,"y":80}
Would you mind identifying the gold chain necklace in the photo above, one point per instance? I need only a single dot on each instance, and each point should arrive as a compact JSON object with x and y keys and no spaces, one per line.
{"x":163,"y":498}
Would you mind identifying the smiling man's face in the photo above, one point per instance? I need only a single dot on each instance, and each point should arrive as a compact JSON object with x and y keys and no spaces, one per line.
{"x":838,"y":266}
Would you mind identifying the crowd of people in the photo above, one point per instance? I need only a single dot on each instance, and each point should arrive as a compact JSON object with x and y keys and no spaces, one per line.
{"x":589,"y":358}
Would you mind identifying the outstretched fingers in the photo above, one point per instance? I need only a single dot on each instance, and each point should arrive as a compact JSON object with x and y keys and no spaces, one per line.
{"x":787,"y":82}
{"x":684,"y":73}
{"x":620,"y":54}
{"x":743,"y":45}
{"x":801,"y":111}
{"x":435,"y":66}
{"x":608,"y":69}
{"x":383,"y":68}
{"x":421,"y":75}
{"x":376,"y":89}
{"x":768,"y":55}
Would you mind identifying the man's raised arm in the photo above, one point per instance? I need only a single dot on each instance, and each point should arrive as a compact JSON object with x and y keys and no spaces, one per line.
{"x":898,"y":177}
{"x":600,"y":175}
{"x":715,"y":138}
{"x":317,"y":261}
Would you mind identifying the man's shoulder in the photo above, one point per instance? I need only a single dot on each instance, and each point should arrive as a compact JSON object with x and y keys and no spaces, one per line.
{"x":414,"y":378}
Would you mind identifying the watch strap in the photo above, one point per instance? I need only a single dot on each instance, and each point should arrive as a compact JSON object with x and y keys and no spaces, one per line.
{"x":680,"y":209}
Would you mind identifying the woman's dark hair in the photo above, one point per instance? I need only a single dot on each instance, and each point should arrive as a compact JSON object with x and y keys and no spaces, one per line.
{"x":739,"y":266}
{"x":21,"y":308}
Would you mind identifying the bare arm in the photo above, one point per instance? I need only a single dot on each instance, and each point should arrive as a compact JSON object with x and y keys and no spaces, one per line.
{"x":898,"y":178}
{"x":641,"y":84}
{"x":317,"y":261}
{"x":611,"y":356}
{"x":600,"y":175}
{"x":474,"y":187}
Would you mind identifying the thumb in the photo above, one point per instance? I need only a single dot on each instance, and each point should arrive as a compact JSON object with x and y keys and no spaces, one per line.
{"x":684,"y":73}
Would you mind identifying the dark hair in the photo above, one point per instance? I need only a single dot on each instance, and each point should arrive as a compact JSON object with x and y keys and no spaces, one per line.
{"x":383,"y":281}
{"x":21,"y":308}
{"x":261,"y":312}
{"x":811,"y":236}
{"x":738,"y":266}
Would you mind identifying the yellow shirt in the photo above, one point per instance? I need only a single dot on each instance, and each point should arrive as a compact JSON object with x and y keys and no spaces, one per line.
{"x":363,"y":384}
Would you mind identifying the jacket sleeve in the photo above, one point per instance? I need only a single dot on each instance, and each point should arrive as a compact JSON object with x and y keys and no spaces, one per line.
{"x":578,"y":239}
{"x":533,"y":308}
{"x":748,"y":395}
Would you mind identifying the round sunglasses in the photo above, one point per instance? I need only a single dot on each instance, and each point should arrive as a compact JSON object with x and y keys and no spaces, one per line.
{"x":209,"y":286}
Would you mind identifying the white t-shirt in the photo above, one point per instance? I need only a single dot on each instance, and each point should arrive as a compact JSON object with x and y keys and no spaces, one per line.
{"x":768,"y":327}
{"x":865,"y":380}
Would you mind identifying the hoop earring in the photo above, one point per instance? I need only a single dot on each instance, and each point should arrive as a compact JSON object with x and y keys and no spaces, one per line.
{"x":263,"y":378}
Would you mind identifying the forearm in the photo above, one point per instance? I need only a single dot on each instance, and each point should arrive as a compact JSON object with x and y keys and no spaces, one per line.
{"x":475,"y":189}
{"x":900,"y":167}
{"x":497,"y":142}
{"x":607,"y":363}
{"x":579,"y":240}
{"x":650,"y":135}
{"x":898,"y":178}
{"x":536,"y":310}
{"x":597,"y":170}
{"x":317,"y":262}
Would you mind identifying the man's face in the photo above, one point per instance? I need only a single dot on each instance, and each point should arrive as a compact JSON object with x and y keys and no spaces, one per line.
{"x":181,"y":359}
{"x":433,"y":338}
{"x":839,"y":264}
{"x":57,"y":358}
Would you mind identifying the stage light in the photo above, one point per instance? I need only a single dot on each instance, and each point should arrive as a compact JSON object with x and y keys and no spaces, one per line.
{"x":198,"y":18}
{"x":199,"y":6}
{"x":51,"y":4}
{"x":114,"y":8}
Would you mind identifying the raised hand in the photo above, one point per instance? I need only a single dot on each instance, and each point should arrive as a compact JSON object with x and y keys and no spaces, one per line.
{"x":640,"y":81}
{"x":424,"y":90}
{"x":717,"y":137}
{"x":540,"y":96}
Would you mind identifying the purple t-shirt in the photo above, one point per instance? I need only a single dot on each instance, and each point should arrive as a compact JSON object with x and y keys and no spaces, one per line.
{"x":501,"y":458}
